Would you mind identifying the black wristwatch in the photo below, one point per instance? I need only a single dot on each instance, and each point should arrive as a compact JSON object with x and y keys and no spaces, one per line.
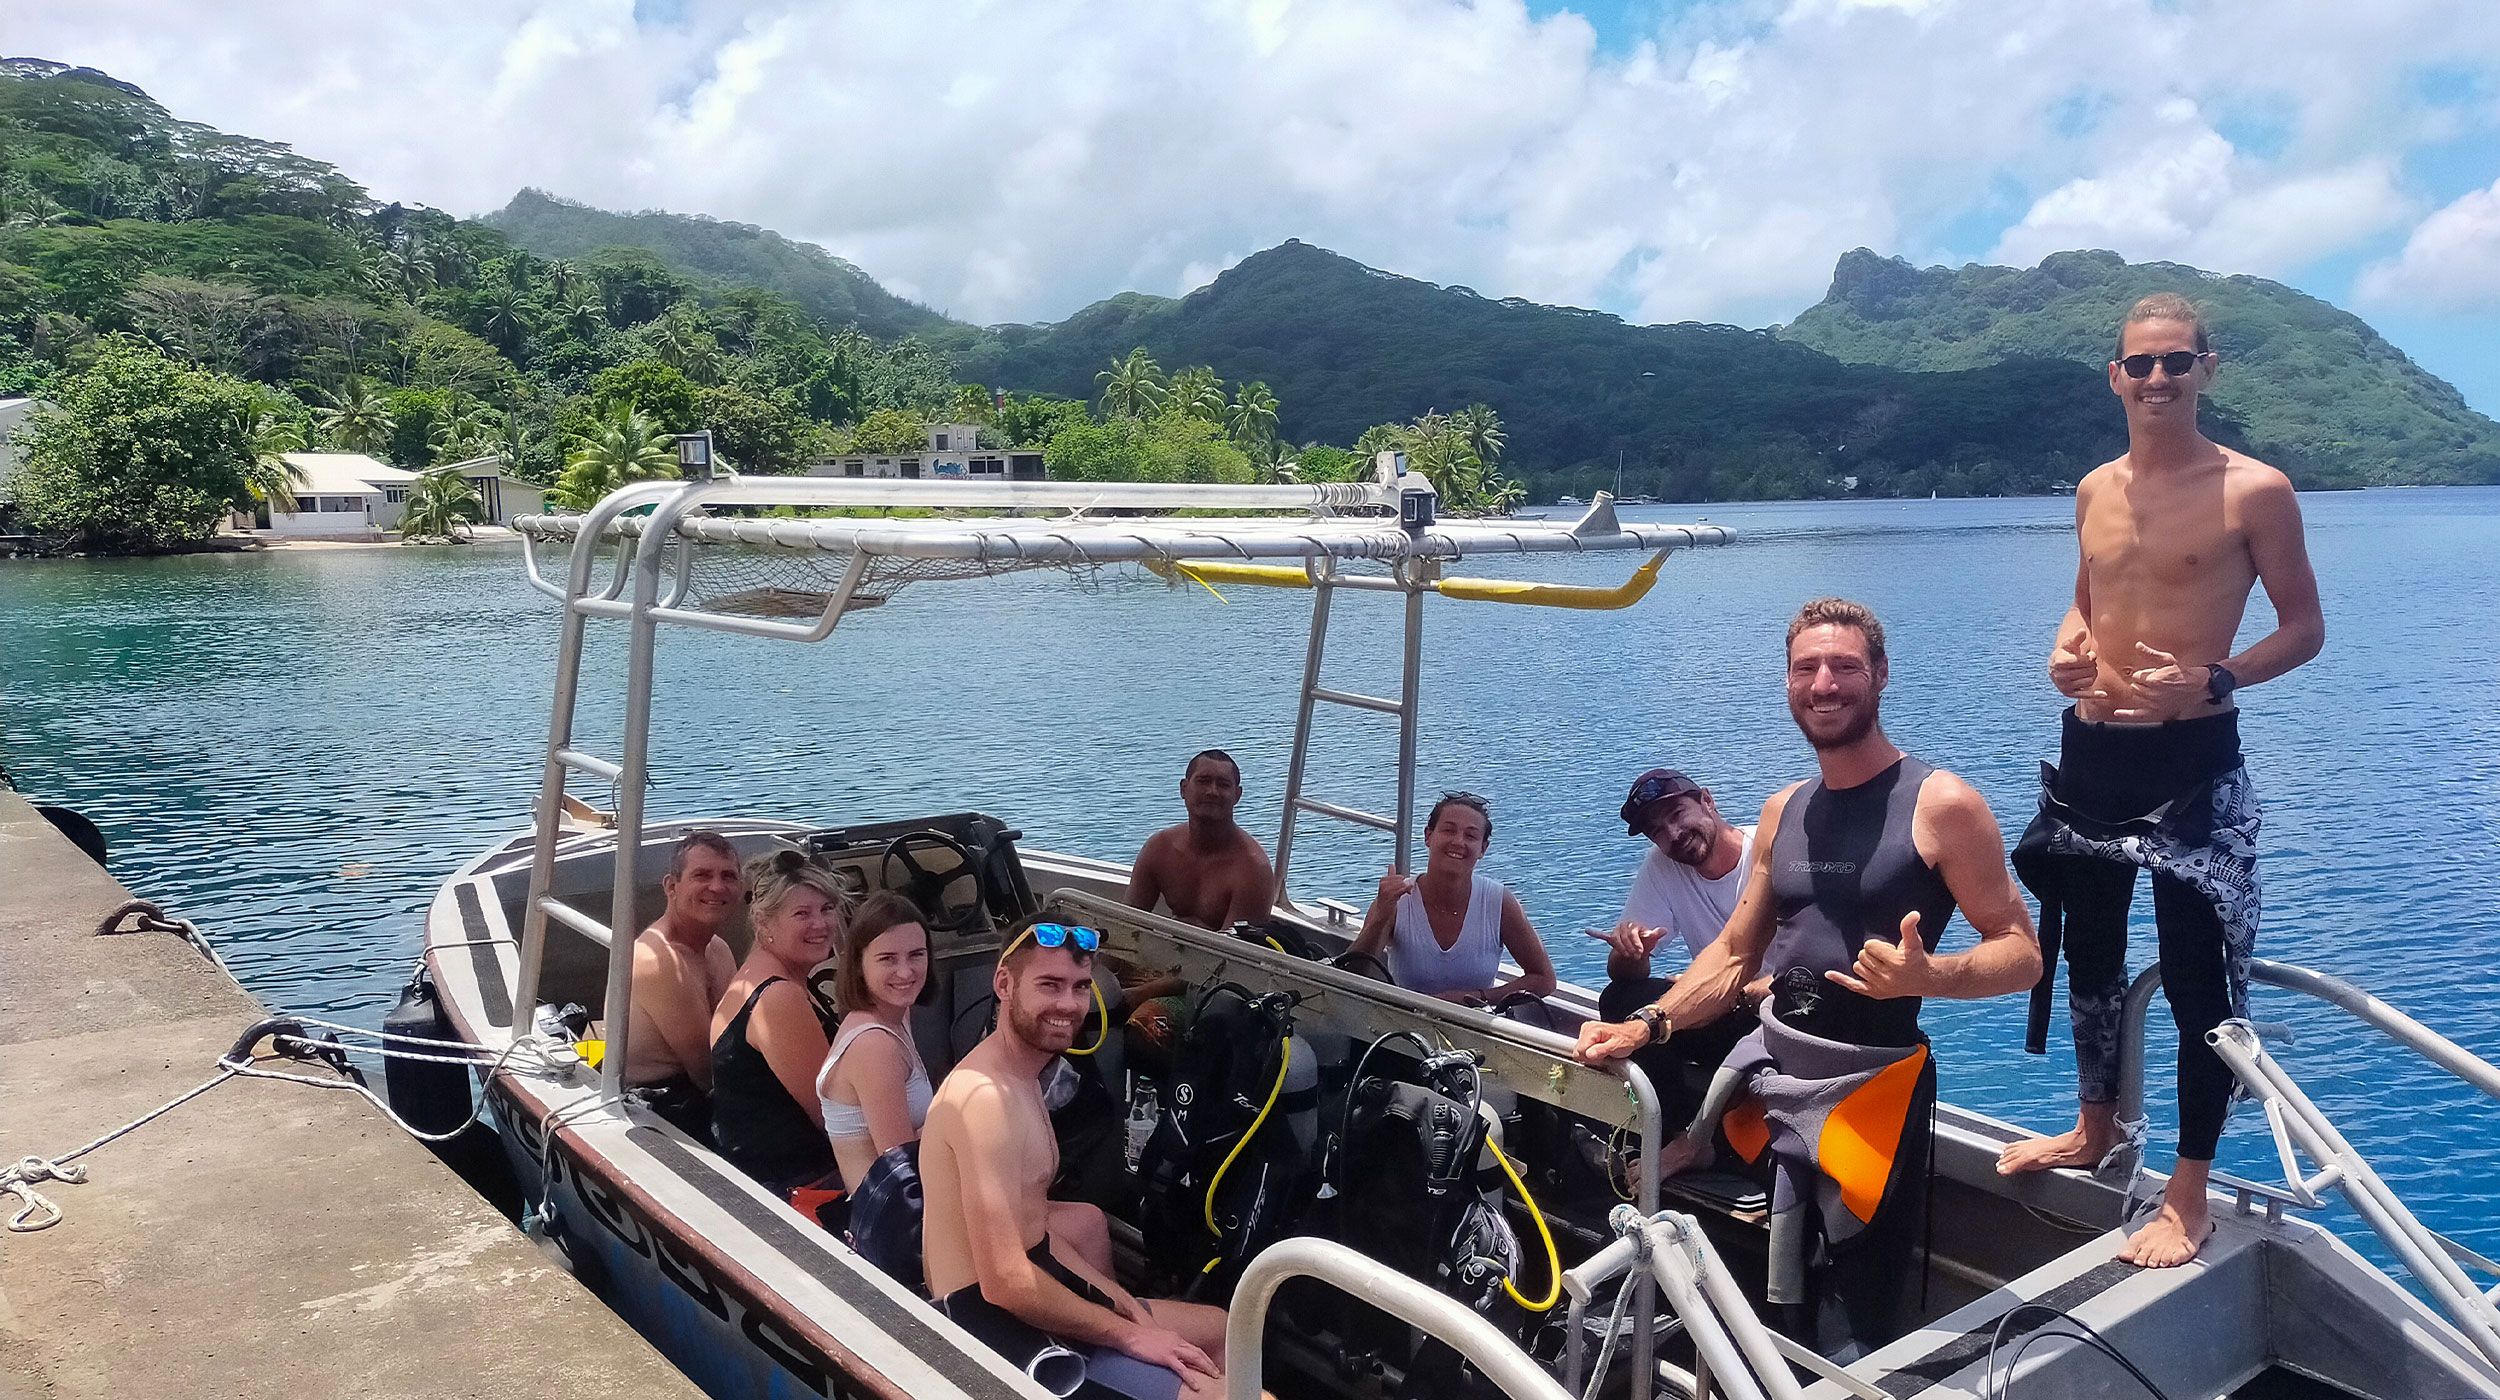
{"x":2219,"y":683}
{"x":1660,"y":1024}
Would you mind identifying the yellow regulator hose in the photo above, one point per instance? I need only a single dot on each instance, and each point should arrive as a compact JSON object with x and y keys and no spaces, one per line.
{"x":1553,"y":1259}
{"x":1284,"y":1057}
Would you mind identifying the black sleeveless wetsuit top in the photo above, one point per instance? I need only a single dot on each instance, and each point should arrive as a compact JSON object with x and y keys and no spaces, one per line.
{"x":1844,"y":870}
{"x":756,"y":1125}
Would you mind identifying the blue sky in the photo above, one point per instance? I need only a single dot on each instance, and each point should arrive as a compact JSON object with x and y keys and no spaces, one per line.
{"x":1010,"y":160}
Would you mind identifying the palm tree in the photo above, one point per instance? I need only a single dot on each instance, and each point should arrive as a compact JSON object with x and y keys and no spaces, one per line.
{"x":1197,"y":393}
{"x":973,"y":404}
{"x":1252,"y":418}
{"x":438,"y":505}
{"x":1132,"y":388}
{"x":501,"y":319}
{"x":626,"y":447}
{"x":560,"y":278}
{"x":585,"y":317}
{"x":356,"y":418}
{"x":408,"y":267}
{"x":1482,"y":428}
{"x":1274,"y":462}
{"x":686,"y":347}
{"x":269,"y":476}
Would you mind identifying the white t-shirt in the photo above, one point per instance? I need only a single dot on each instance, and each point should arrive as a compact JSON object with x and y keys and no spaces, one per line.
{"x":1667,"y":893}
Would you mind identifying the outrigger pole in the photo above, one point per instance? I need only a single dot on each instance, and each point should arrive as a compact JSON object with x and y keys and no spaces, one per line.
{"x":1390,"y":521}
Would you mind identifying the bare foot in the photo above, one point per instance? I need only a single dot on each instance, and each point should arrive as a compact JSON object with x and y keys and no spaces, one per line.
{"x":2172,"y":1237}
{"x":1685,"y":1154}
{"x":2076,"y":1148}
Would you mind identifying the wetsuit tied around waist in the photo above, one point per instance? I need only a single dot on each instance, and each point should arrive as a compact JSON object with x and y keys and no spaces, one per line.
{"x":1074,"y":1370}
{"x":757,"y":1126}
{"x":2174,"y":799}
{"x":1845,"y":869}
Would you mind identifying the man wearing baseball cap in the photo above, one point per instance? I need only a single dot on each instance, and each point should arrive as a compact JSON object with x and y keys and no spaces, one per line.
{"x":1685,"y":889}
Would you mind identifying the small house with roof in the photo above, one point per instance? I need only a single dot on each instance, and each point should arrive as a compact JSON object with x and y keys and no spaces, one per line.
{"x":953,"y":454}
{"x":350,"y":496}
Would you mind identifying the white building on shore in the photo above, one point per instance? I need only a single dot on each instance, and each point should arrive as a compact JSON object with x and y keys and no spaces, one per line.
{"x":350,"y":496}
{"x":952,"y":455}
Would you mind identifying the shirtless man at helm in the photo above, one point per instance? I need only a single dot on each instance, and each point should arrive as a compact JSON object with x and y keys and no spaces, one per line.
{"x":2173,"y":535}
{"x":1207,"y":870}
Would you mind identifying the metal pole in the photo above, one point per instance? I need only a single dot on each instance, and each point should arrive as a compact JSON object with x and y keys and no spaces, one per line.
{"x":549,"y":813}
{"x":2406,"y":1031}
{"x":1443,"y":1318}
{"x":1323,"y":588}
{"x":1419,"y":575}
{"x":1645,"y":1295}
{"x":634,"y":766}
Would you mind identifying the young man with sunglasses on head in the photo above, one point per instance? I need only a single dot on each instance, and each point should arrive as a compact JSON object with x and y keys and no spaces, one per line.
{"x":987,"y":1158}
{"x":2173,"y":536}
{"x":1685,"y":889}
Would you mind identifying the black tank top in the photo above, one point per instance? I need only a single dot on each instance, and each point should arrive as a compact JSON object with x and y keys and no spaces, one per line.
{"x":756,"y":1125}
{"x":1843,"y":870}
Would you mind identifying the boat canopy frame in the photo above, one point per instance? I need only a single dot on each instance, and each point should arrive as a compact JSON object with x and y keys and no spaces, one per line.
{"x":1314,"y":533}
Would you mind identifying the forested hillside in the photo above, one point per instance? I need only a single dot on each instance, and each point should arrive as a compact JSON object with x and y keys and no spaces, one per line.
{"x":1698,"y":412}
{"x":726,"y":255}
{"x":2314,"y":388}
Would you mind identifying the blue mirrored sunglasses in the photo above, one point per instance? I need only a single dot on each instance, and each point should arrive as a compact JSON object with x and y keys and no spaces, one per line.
{"x":1058,"y":936}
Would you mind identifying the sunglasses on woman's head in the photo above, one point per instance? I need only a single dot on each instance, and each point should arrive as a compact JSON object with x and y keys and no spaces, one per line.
{"x":2174,"y":364}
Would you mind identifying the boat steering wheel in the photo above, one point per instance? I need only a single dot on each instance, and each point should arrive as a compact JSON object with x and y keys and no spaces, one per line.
{"x":903,"y":871}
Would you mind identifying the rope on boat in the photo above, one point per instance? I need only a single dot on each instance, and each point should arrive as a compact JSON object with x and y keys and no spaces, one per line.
{"x":1627,"y":1225}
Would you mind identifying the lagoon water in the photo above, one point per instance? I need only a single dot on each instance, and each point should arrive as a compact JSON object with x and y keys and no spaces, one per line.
{"x":293,"y":749}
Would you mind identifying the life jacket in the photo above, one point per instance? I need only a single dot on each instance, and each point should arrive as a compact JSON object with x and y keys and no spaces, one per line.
{"x":1222,"y":1150}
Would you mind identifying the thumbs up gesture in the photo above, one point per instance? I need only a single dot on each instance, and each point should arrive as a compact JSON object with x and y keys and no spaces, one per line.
{"x":1888,"y":970}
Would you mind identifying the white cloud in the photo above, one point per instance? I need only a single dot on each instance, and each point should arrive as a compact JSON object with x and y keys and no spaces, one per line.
{"x":1014,"y":159}
{"x":2450,"y":263}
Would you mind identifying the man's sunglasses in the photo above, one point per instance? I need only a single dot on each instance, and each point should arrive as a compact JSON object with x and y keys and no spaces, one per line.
{"x":2175,"y":364}
{"x":1058,"y":936}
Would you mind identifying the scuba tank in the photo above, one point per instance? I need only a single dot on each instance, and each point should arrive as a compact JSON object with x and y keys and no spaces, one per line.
{"x":1223,"y":1170}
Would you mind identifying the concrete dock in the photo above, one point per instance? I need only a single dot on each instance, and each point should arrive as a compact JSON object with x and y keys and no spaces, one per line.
{"x":265,"y":1239}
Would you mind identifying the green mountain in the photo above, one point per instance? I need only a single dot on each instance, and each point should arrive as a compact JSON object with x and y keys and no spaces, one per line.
{"x":726,"y":254}
{"x":2314,"y":389}
{"x":1696,"y":411}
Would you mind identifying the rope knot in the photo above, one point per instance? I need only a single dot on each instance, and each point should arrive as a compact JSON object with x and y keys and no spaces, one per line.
{"x":36,"y":1211}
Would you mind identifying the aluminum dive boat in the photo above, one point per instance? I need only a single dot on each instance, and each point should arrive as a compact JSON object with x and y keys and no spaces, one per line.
{"x":1629,"y":1288}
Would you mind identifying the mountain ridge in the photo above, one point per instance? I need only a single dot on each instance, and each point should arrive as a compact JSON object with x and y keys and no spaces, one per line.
{"x":2407,"y":426}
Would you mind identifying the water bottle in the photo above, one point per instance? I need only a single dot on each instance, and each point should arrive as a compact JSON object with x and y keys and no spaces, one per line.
{"x":1144,"y":1111}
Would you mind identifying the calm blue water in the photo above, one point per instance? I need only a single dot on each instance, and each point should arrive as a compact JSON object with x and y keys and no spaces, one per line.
{"x":294,"y":749}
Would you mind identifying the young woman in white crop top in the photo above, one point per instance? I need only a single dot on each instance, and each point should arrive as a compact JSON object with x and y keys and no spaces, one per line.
{"x":1443,"y":932}
{"x":874,"y":1089}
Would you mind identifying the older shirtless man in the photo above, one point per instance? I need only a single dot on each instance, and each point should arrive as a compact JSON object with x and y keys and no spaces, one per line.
{"x":1207,"y":870}
{"x":987,"y":1158}
{"x":681,"y":969}
{"x":2173,"y":536}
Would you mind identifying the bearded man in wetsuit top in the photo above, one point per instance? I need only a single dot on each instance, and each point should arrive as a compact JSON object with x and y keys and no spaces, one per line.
{"x":1851,"y":880}
{"x":2172,"y":536}
{"x":682,"y":967}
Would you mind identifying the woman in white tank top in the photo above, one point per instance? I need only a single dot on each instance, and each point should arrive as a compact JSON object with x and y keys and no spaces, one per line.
{"x":873,"y":1086}
{"x":1443,"y":932}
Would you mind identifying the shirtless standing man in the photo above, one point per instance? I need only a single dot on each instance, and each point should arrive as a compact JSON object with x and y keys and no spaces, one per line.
{"x":2173,"y":535}
{"x":681,"y":969}
{"x":1207,"y":869}
{"x":987,"y":1158}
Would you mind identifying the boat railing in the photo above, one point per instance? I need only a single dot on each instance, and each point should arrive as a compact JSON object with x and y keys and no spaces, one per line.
{"x":1736,"y":1355}
{"x":1440,"y":1316}
{"x":2300,"y":1129}
{"x":2334,"y":991}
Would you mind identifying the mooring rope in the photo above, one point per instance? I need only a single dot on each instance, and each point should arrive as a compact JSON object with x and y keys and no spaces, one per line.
{"x":37,"y":1211}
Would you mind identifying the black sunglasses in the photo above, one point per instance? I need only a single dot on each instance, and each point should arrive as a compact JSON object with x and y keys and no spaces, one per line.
{"x":2175,"y":364}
